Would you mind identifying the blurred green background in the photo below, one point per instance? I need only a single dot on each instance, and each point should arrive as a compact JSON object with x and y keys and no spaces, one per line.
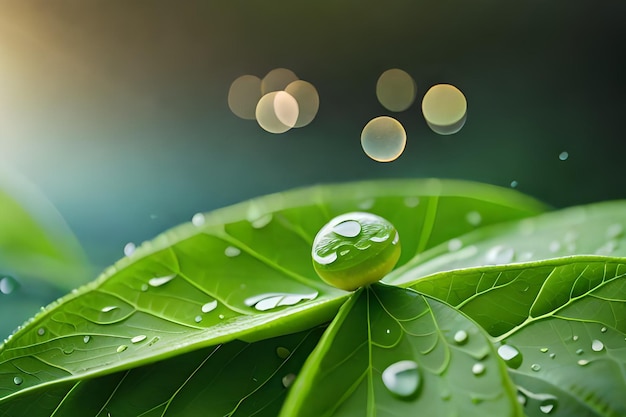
{"x":117,"y":110}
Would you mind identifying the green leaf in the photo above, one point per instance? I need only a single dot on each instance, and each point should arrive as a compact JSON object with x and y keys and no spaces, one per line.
{"x":243,"y":272}
{"x":35,"y":242}
{"x":595,"y":229}
{"x":351,"y":372}
{"x":233,"y":379}
{"x":567,"y":318}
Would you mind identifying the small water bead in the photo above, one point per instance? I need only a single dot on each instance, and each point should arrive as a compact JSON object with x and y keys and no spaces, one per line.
{"x":583,"y":362}
{"x":514,"y":184}
{"x":198,"y":219}
{"x":383,"y":139}
{"x":86,"y":339}
{"x":121,"y":348}
{"x":18,"y":380}
{"x":564,"y":155}
{"x":288,"y":379}
{"x":579,"y":351}
{"x":478,"y":368}
{"x":552,"y":355}
{"x":159,"y":281}
{"x":210,"y":306}
{"x":510,"y":355}
{"x":154,"y":340}
{"x":521,"y":398}
{"x":144,"y":287}
{"x":282,"y":352}
{"x":474,"y":218}
{"x":603,"y":329}
{"x":461,"y":337}
{"x":548,"y":405}
{"x":8,"y":285}
{"x":268,"y":301}
{"x":500,"y":255}
{"x":597,"y":345}
{"x":402,"y":378}
{"x":575,"y":338}
{"x":221,"y":317}
{"x":138,"y":338}
{"x":129,"y":248}
{"x":232,"y":251}
{"x":198,"y":319}
{"x":535,"y":367}
{"x":41,"y":331}
{"x":543,"y":350}
{"x":261,"y":222}
{"x":454,"y":245}
{"x":108,"y":309}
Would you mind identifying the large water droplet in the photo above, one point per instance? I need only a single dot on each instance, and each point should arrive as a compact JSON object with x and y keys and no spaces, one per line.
{"x":288,"y":380}
{"x":138,"y":338}
{"x":158,"y":281}
{"x":461,"y":337}
{"x":210,"y":306}
{"x":18,"y":380}
{"x":478,"y":368}
{"x":402,"y":378}
{"x":499,"y":255}
{"x":597,"y":345}
{"x":232,"y":251}
{"x":348,"y":228}
{"x":268,"y":301}
{"x":129,"y":248}
{"x":511,"y":356}
{"x":8,"y":285}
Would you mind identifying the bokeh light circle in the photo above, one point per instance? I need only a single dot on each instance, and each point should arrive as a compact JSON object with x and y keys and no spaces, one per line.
{"x":277,"y":80}
{"x":308,"y":101}
{"x":243,"y":96}
{"x":383,"y":139}
{"x":277,"y":112}
{"x":396,"y":90}
{"x":445,"y":109}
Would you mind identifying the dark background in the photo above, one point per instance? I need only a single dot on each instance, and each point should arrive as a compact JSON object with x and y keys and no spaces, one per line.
{"x":117,"y":110}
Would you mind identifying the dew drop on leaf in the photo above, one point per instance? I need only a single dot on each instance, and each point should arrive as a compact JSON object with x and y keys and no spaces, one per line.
{"x":511,"y":356}
{"x":583,"y":362}
{"x":543,"y":349}
{"x":460,"y":337}
{"x":232,"y":251}
{"x":154,"y":340}
{"x":552,"y":355}
{"x":144,"y":287}
{"x":521,"y":398}
{"x":198,"y":319}
{"x":139,"y":338}
{"x":597,"y":345}
{"x":514,"y":184}
{"x":262,"y":221}
{"x":402,"y":378}
{"x":159,"y":281}
{"x":535,"y":367}
{"x":8,"y":285}
{"x":41,"y":331}
{"x":129,"y":248}
{"x":579,"y":351}
{"x":478,"y":369}
{"x":603,"y":330}
{"x":198,"y":219}
{"x":474,"y":218}
{"x":288,"y":380}
{"x":282,"y":352}
{"x":575,"y":338}
{"x":210,"y":306}
{"x":18,"y":380}
{"x":563,"y":156}
{"x":121,"y":348}
{"x":548,"y":405}
{"x":108,"y":309}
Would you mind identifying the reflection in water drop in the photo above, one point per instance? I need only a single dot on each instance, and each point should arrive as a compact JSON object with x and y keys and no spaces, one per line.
{"x":511,"y":356}
{"x":383,"y":139}
{"x":198,"y":219}
{"x":210,"y":306}
{"x":348,"y":228}
{"x":308,"y":101}
{"x":597,"y":345}
{"x":129,"y":248}
{"x":445,"y":109}
{"x":288,"y":380}
{"x":8,"y":285}
{"x":325,"y":260}
{"x":396,"y":90}
{"x":139,"y":338}
{"x":243,"y":95}
{"x":478,"y":369}
{"x":402,"y":378}
{"x":159,"y":281}
{"x":461,"y":337}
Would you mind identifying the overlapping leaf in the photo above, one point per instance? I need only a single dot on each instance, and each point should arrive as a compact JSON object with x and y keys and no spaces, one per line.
{"x":453,"y":367}
{"x":241,"y":272}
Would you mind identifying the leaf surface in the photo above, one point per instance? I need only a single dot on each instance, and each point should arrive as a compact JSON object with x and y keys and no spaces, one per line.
{"x":351,"y":372}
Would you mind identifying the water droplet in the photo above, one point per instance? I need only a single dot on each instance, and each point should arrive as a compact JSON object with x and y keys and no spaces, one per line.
{"x":461,"y":337}
{"x":269,"y":301}
{"x":478,"y":368}
{"x":499,"y":255}
{"x":18,"y":380}
{"x":535,"y":367}
{"x":474,"y":218}
{"x":614,"y":231}
{"x":510,"y":355}
{"x":444,"y":108}
{"x":555,"y":245}
{"x":262,"y":221}
{"x":129,"y":248}
{"x":108,"y":309}
{"x":138,"y":338}
{"x":564,"y":155}
{"x":198,"y":319}
{"x":603,"y":329}
{"x":411,"y":202}
{"x":86,"y":339}
{"x":154,"y":340}
{"x":288,"y":380}
{"x":552,"y":355}
{"x":383,"y":139}
{"x":198,"y":219}
{"x":543,"y":349}
{"x":583,"y":362}
{"x":121,"y":348}
{"x":8,"y":285}
{"x":144,"y":287}
{"x":282,"y":352}
{"x":402,"y":378}
{"x":548,"y":404}
{"x":575,"y":338}
{"x":521,"y":398}
{"x":597,"y":345}
{"x":396,"y":90}
{"x":221,"y":317}
{"x":348,"y":228}
{"x":579,"y":351}
{"x":454,"y":245}
{"x":158,"y":281}
{"x":210,"y":306}
{"x":41,"y":331}
{"x":232,"y":251}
